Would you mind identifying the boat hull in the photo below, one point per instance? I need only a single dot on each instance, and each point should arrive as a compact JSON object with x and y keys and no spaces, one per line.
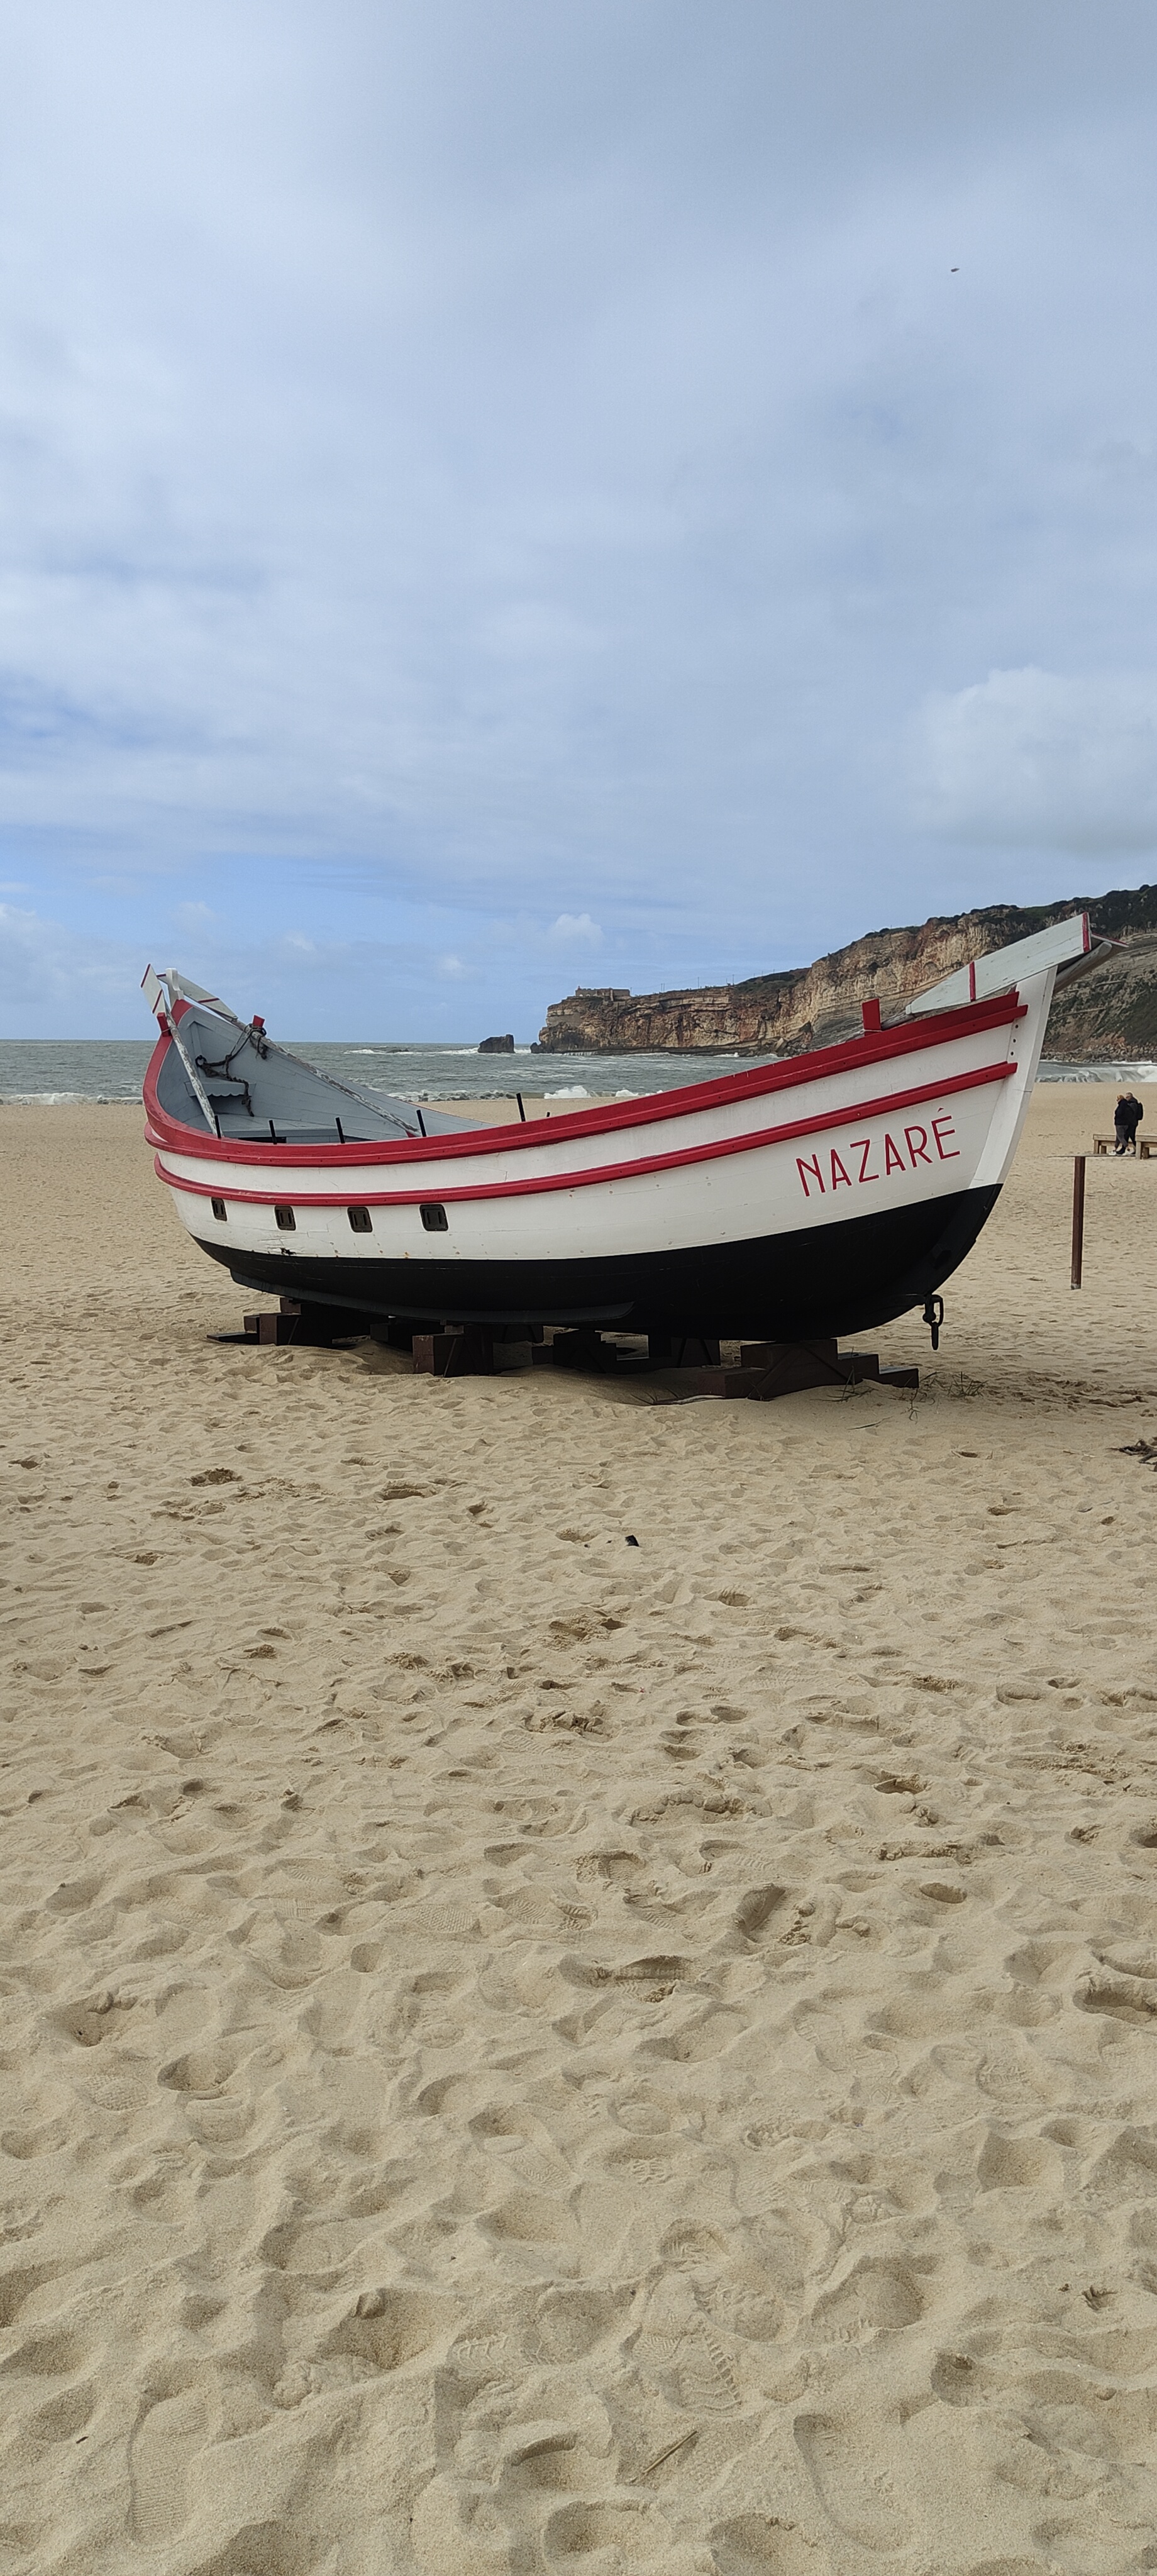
{"x":831,"y":1279}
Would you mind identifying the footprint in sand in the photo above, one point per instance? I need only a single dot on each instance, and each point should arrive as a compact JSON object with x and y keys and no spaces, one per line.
{"x":755,"y":1910}
{"x":202,"y":2073}
{"x":705,"y":2036}
{"x":607,"y":2535}
{"x":390,"y":2327}
{"x":526,"y":2219}
{"x":693,"y":2248}
{"x":854,"y":2499}
{"x":570,"y":2322}
{"x":19,"y":2285}
{"x":557,"y":2464}
{"x":315,"y":2248}
{"x":65,"y":2416}
{"x":1125,"y":1999}
{"x":878,"y":2295}
{"x":170,"y":2433}
{"x":53,"y":2355}
{"x":524,"y":2145}
{"x":753,"y":2544}
{"x":708,"y":2382}
{"x":1015,"y":2164}
{"x":261,"y":2549}
{"x":23,"y":2144}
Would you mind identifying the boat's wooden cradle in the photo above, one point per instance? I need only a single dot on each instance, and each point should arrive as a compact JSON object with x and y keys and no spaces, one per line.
{"x":687,"y":1365}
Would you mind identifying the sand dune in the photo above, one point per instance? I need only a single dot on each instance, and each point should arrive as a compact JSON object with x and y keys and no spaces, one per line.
{"x":524,"y":2052}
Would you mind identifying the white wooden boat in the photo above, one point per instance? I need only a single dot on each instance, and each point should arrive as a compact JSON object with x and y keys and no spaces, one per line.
{"x":811,"y":1196}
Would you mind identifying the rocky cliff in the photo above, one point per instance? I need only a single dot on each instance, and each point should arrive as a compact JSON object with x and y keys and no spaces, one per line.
{"x":1112,"y":1013}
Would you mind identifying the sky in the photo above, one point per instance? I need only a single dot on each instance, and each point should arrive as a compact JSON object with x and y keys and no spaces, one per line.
{"x":501,"y":497}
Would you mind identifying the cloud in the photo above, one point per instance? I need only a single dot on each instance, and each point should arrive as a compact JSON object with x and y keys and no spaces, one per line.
{"x":1034,"y":758}
{"x":47,"y":967}
{"x":575,"y":930}
{"x":57,"y":979}
{"x":528,"y":463}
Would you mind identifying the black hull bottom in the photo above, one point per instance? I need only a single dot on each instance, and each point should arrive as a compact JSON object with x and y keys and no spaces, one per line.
{"x":785,"y":1288}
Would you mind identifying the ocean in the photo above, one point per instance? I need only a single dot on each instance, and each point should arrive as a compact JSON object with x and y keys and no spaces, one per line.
{"x":108,"y":1069}
{"x":67,"y":1069}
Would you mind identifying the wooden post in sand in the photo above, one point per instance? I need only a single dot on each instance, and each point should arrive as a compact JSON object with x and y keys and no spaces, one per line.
{"x":1078,"y":1219}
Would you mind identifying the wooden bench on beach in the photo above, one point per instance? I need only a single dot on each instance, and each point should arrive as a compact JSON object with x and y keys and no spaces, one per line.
{"x":1146,"y":1145}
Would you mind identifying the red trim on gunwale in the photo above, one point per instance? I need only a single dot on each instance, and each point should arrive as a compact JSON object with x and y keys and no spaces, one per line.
{"x":606,"y":1172}
{"x":937,"y":1029}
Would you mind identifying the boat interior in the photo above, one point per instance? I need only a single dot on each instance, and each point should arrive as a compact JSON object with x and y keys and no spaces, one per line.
{"x":224,"y":1078}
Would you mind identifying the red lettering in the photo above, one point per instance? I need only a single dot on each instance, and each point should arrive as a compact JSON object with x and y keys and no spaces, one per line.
{"x":893,"y":1158}
{"x":838,"y":1172}
{"x":954,"y":1155}
{"x":863,"y":1146}
{"x":813,"y":1166}
{"x":919,"y":1153}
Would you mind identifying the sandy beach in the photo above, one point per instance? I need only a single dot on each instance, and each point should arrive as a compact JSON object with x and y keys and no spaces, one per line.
{"x":528,"y":2052}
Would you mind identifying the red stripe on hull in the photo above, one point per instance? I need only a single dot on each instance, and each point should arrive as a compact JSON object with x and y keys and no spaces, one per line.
{"x":604,"y":1172}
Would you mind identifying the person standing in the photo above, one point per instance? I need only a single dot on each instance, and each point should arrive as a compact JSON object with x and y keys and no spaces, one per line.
{"x":1127,"y":1118}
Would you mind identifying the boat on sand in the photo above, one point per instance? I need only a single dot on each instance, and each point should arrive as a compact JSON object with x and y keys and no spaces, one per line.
{"x":811,"y":1196}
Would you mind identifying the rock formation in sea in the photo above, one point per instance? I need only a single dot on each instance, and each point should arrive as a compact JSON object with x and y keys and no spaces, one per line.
{"x":1112,"y":1013}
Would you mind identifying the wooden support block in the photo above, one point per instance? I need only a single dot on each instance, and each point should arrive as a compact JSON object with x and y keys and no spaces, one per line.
{"x":397,"y":1333}
{"x":318,"y":1325}
{"x":792,"y":1374}
{"x":725,"y":1383}
{"x":766,"y":1354}
{"x":308,"y":1327}
{"x":269,"y":1328}
{"x":797,"y":1367}
{"x":468,"y":1353}
{"x":790,"y":1367}
{"x":583,"y":1350}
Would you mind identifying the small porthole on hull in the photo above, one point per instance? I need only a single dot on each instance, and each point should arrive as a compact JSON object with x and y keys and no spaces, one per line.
{"x":434,"y":1219}
{"x":220,"y":1211}
{"x":286,"y":1220}
{"x":361,"y":1220}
